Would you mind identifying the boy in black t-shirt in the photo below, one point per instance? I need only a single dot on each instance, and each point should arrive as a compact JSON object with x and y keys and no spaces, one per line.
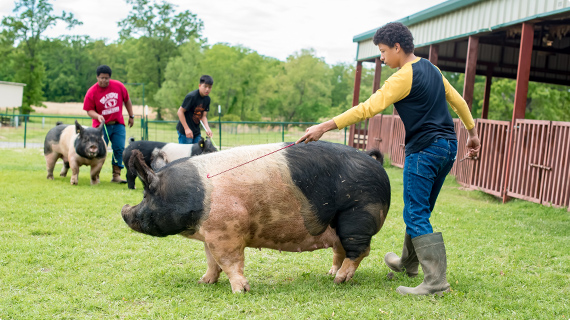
{"x":194,"y":109}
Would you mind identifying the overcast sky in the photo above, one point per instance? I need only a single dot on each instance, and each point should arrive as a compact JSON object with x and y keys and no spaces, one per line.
{"x":270,"y":27}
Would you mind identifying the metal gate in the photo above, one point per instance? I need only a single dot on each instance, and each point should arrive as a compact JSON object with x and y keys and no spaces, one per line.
{"x":398,"y":138}
{"x":489,"y":174}
{"x":530,"y":147}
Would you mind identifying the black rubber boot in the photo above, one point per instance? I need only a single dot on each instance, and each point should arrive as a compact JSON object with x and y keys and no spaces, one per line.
{"x":408,"y":262}
{"x":431,"y":254}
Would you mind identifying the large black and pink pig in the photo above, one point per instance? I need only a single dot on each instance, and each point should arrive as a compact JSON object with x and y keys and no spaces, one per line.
{"x":303,"y":198}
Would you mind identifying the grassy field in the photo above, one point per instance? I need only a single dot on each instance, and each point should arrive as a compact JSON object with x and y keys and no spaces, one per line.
{"x":67,"y":254}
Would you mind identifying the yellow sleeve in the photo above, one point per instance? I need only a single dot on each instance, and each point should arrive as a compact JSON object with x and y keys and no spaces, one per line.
{"x":458,"y":104}
{"x":396,"y":88}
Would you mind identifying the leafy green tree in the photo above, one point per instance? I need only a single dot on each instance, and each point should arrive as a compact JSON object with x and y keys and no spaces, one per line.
{"x":238,"y":74}
{"x":304,"y":88}
{"x":342,"y":84}
{"x":7,"y":53}
{"x":160,"y":31}
{"x":548,"y":102}
{"x":32,"y":18}
{"x":182,"y":76}
{"x":69,"y":68}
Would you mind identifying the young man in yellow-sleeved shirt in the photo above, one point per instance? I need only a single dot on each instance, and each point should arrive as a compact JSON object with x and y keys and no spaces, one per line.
{"x":420,"y":93}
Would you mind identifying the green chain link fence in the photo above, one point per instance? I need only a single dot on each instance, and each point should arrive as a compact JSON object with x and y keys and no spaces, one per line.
{"x":29,"y":131}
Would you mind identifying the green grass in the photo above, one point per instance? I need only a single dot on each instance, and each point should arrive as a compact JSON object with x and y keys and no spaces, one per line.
{"x":67,"y":254}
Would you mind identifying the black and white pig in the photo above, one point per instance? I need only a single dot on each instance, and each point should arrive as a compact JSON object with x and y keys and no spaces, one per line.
{"x":303,"y":198}
{"x":146,"y":148}
{"x":175,"y":151}
{"x":158,"y":154}
{"x":77,"y":146}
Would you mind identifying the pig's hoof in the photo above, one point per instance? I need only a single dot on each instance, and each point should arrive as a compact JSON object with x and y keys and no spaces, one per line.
{"x":342,"y":278}
{"x":94,"y":182}
{"x":63,"y":174}
{"x":241,"y":287}
{"x":50,"y":177}
{"x":73,"y":182}
{"x":208,"y":279}
{"x":333,"y":270}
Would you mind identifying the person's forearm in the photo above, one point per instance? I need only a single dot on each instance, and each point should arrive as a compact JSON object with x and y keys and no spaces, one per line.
{"x":129,"y":106}
{"x":93,"y":114}
{"x":182,"y":119}
{"x":329,"y":125}
{"x":205,"y":122}
{"x":473,"y":132}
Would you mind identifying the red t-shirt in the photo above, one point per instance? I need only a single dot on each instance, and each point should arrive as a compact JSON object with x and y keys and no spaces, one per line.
{"x":107,"y":101}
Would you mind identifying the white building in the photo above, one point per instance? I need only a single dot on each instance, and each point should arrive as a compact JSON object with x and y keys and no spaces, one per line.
{"x":11,"y":94}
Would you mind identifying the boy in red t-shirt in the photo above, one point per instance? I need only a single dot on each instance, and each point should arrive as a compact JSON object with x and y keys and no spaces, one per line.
{"x":104,"y":103}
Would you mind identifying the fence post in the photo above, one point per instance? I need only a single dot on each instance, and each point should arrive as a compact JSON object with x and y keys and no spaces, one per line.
{"x":220,"y":122}
{"x":25,"y":129}
{"x":282,"y":132}
{"x":146,"y":127}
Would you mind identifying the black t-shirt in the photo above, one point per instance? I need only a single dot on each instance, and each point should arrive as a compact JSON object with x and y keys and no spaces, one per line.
{"x":194,"y":106}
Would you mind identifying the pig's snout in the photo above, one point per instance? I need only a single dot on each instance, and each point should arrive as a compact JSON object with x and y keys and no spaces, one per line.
{"x":92,"y":151}
{"x":129,"y":218}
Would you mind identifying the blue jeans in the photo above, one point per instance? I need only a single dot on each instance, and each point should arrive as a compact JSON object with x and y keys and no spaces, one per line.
{"x":182,"y":139}
{"x":117,"y":134}
{"x":424,"y":174}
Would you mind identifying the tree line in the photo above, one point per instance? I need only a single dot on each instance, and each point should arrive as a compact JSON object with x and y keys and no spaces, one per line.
{"x":165,"y":49}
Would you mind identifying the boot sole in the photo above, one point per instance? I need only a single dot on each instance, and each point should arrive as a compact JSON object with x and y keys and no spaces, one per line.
{"x":438,"y":293}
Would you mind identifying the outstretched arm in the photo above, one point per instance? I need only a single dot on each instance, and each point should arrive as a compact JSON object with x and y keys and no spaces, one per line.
{"x":315,"y":132}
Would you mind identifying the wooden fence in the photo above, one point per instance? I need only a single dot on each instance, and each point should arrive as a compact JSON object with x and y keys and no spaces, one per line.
{"x":539,"y":166}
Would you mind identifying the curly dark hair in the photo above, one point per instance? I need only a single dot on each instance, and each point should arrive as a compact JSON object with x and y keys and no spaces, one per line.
{"x":103,"y":69}
{"x":395,"y":32}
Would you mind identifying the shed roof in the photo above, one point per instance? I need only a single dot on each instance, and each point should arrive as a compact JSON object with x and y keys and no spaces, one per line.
{"x":13,"y":83}
{"x":497,"y":23}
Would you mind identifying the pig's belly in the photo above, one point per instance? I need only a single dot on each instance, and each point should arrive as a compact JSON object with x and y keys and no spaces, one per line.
{"x":307,"y":242}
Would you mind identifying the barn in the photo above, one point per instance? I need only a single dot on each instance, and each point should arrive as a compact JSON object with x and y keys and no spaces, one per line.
{"x":526,"y":40}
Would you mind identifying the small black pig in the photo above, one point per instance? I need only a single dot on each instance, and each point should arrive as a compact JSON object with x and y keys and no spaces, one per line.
{"x":78,"y":146}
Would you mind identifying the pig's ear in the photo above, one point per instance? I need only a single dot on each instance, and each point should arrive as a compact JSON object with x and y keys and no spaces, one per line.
{"x":78,"y":127}
{"x":147,"y":176}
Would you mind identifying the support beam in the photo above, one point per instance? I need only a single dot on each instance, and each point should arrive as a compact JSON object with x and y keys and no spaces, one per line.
{"x":355,"y":98}
{"x":523,"y":71}
{"x":433,"y":53}
{"x":377,"y":75}
{"x":521,"y":91}
{"x":470,"y":69}
{"x":487,"y":93}
{"x":357,"y":77}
